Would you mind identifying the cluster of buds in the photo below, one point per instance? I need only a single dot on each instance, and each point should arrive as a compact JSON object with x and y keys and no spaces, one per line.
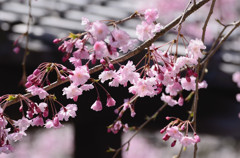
{"x":175,"y":130}
{"x":40,"y":78}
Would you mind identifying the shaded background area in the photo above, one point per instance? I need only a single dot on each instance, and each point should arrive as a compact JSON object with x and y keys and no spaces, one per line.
{"x":218,"y":110}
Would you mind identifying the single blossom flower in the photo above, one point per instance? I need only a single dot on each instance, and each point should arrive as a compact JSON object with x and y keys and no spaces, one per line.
{"x":68,"y":111}
{"x":80,"y":75}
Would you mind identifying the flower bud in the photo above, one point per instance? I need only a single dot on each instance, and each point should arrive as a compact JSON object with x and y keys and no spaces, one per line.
{"x":166,"y":137}
{"x":173,"y":143}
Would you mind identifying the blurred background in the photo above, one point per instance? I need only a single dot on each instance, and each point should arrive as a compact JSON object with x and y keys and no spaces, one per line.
{"x":86,"y":135}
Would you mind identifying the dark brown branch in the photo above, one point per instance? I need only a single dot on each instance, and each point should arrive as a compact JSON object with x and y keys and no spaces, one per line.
{"x":207,"y":20}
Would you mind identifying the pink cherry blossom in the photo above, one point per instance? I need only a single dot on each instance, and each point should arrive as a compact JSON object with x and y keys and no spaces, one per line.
{"x":180,"y":101}
{"x":42,"y":106}
{"x":107,"y":75}
{"x":144,"y":31}
{"x":168,"y":99}
{"x":50,"y":124}
{"x":99,"y":30}
{"x":196,"y":138}
{"x":80,"y":75}
{"x":119,"y":38}
{"x":37,"y":91}
{"x":194,"y":49}
{"x":144,"y":87}
{"x":174,"y":88}
{"x":72,"y":91}
{"x":174,"y":132}
{"x":97,"y":105}
{"x":23,"y":123}
{"x":87,"y":87}
{"x":68,"y":111}
{"x":186,"y":141}
{"x":100,"y":50}
{"x":38,"y":121}
{"x":189,"y":85}
{"x":16,"y":136}
{"x":151,"y":15}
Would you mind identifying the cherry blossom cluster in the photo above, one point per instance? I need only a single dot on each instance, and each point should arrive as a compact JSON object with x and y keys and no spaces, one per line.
{"x":178,"y":131}
{"x":159,"y":72}
{"x":149,"y":80}
{"x":40,"y":78}
{"x":33,"y":114}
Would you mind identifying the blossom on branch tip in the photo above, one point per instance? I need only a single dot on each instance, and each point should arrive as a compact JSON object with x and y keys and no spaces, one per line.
{"x":72,"y":91}
{"x":99,"y":30}
{"x":151,"y":15}
{"x":174,"y":132}
{"x":194,"y":49}
{"x":97,"y":105}
{"x":68,"y":111}
{"x":186,"y":141}
{"x":110,"y":101}
{"x":168,"y":99}
{"x":23,"y":123}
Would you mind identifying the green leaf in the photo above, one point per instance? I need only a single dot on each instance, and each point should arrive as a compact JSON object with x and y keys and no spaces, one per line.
{"x":11,"y":98}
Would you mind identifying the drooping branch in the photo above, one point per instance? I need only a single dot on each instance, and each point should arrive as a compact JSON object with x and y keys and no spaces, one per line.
{"x":131,"y":53}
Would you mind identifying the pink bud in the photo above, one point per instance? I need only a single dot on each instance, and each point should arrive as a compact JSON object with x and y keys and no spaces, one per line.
{"x":28,"y":84}
{"x":16,"y":49}
{"x":163,"y":130}
{"x":168,"y":118}
{"x":36,"y":72}
{"x":102,"y":61}
{"x":182,"y":127}
{"x":57,"y":40}
{"x":63,"y":78}
{"x":64,"y":68}
{"x":180,"y":100}
{"x":20,"y":108}
{"x":111,"y":67}
{"x":166,"y":137}
{"x":173,"y":143}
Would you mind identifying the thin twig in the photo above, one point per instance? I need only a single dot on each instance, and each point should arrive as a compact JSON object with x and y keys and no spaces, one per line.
{"x":236,"y":25}
{"x":26,"y":52}
{"x":141,"y":127}
{"x":207,"y":20}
